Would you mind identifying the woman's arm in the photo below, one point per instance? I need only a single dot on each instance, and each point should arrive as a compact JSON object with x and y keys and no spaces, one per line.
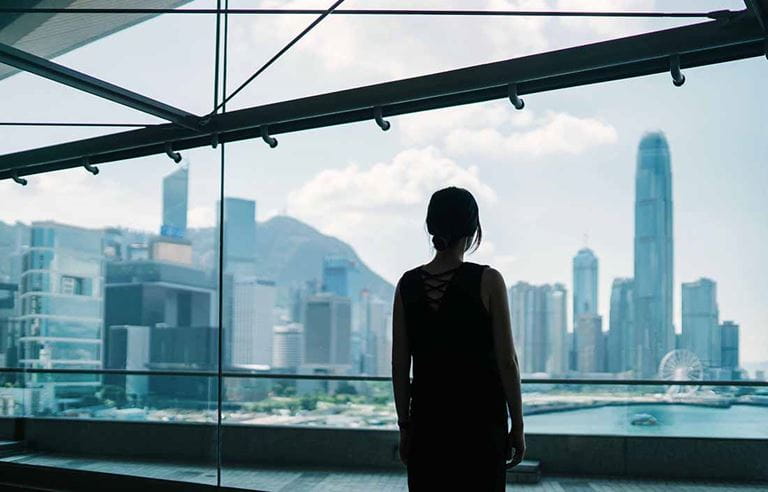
{"x":506,"y":357}
{"x":401,"y":360}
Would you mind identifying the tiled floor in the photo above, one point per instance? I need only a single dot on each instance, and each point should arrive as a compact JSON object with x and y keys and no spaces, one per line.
{"x":294,"y":480}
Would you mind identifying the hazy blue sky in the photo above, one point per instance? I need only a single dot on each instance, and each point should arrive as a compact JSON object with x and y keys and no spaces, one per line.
{"x":545,"y":177}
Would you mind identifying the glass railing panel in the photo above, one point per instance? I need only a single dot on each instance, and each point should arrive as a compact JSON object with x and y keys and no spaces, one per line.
{"x":338,"y":403}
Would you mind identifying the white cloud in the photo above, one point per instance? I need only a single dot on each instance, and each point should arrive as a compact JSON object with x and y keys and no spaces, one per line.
{"x":78,"y":198}
{"x":355,"y":49}
{"x":359,"y":48}
{"x":432,"y":126}
{"x":497,"y":131}
{"x":384,"y":203}
{"x":406,"y":181}
{"x":555,"y":133}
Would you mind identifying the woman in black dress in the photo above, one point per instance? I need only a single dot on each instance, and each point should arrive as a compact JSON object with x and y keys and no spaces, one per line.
{"x":451,"y":318}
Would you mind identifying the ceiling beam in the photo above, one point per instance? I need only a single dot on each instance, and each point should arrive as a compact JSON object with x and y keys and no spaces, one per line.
{"x":58,"y":73}
{"x":633,"y":56}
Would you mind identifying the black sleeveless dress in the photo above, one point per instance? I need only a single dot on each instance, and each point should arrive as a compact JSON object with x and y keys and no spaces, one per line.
{"x":458,"y":410}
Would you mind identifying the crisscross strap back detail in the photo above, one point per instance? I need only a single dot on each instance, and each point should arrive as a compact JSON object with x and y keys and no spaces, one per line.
{"x":435,"y":285}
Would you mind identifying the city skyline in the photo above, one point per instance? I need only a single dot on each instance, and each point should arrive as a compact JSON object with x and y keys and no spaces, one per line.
{"x":549,"y":342}
{"x":340,"y":332}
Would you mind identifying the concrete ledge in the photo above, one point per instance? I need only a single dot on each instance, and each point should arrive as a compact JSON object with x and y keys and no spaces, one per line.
{"x":629,"y":456}
{"x":17,"y":476}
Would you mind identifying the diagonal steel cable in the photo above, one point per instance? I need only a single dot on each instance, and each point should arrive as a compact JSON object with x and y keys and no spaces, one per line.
{"x":279,"y":54}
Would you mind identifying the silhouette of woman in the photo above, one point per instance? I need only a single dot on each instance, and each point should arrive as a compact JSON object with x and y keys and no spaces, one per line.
{"x":451,"y":318}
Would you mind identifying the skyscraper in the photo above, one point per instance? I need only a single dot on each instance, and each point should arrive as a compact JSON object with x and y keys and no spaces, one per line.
{"x":8,"y":311}
{"x":556,"y":301}
{"x":288,"y":350}
{"x":524,"y":326}
{"x":337,"y":276}
{"x":175,"y":191}
{"x":654,"y":331}
{"x":378,"y":343}
{"x":159,"y":315}
{"x":62,"y":306}
{"x":620,"y":350}
{"x":729,"y":356}
{"x":584,"y":283}
{"x":252,"y":321}
{"x":701,"y":329}
{"x":538,"y":315}
{"x":590,"y":349}
{"x":327,"y":333}
{"x":239,"y":236}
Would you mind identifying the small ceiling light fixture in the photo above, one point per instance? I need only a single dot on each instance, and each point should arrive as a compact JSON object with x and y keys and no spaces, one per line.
{"x":88,"y":167}
{"x":271,"y":141}
{"x":516,"y":101}
{"x":18,"y":180}
{"x":379,"y":116}
{"x":170,"y":153}
{"x":674,"y":68}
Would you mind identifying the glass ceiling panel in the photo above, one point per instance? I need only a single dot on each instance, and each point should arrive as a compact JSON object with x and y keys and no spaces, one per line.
{"x":52,"y":34}
{"x":166,"y":58}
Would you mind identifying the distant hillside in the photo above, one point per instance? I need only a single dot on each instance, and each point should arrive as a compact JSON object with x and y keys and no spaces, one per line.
{"x":291,"y":252}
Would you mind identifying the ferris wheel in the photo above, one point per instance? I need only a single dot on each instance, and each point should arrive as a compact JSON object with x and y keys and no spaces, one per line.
{"x":681,"y":365}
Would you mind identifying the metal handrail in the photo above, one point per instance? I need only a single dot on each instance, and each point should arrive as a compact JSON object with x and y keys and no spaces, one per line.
{"x":342,"y":377}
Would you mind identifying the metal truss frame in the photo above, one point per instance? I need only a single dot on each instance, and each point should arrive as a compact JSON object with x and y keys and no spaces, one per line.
{"x":83,"y":82}
{"x":738,"y":36}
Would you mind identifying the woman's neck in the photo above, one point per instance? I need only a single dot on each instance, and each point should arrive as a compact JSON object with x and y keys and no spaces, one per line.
{"x":448,"y":258}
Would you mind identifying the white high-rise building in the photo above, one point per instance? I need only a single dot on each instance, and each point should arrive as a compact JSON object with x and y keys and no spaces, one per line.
{"x":556,"y":322}
{"x":288,"y":348}
{"x":378,"y":343}
{"x":253,"y":303}
{"x":538,"y":314}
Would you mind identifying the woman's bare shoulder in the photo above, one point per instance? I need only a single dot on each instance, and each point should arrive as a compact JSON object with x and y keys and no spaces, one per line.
{"x":492,"y":278}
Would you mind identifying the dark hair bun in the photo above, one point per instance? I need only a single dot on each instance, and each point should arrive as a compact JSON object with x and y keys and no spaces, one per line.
{"x":440,"y":243}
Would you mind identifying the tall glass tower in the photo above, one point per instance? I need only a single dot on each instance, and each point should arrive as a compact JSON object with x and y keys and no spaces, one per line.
{"x":701,"y":324}
{"x":584,"y":283}
{"x":655,"y":334}
{"x":239,"y":236}
{"x":620,"y":353}
{"x":62,"y":302}
{"x":337,"y":276}
{"x":175,"y":191}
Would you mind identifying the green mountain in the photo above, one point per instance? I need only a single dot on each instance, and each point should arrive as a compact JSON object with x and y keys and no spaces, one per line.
{"x":291,"y":252}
